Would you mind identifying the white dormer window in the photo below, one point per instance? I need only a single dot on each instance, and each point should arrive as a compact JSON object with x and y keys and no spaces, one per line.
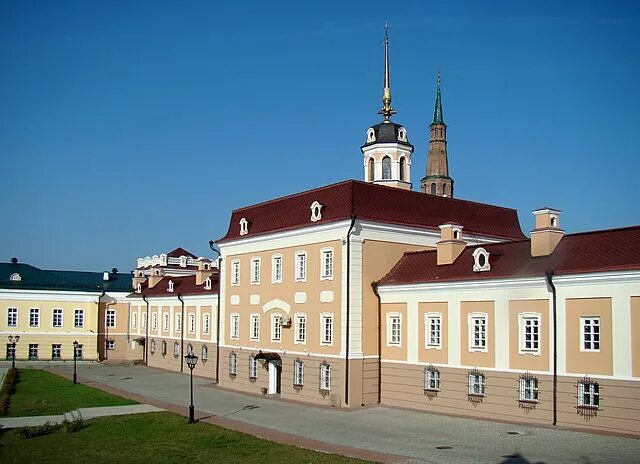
{"x":139,"y":288}
{"x":140,"y":262}
{"x":371,"y":135}
{"x":402,"y":134}
{"x":155,"y":260}
{"x":244,"y":226}
{"x":183,"y":261}
{"x":170,"y":288}
{"x":481,"y":260}
{"x":207,"y":283}
{"x":316,"y":211}
{"x":15,"y":277}
{"x":163,"y":259}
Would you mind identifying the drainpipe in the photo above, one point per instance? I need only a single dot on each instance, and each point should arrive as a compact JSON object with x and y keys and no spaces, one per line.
{"x":183,"y":327}
{"x":549,"y":278}
{"x":104,"y":292}
{"x":374,"y":286}
{"x":346,"y":369}
{"x":212,"y":246}
{"x":146,"y":336}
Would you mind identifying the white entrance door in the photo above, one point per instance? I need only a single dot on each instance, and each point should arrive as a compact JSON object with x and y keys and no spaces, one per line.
{"x":273,"y":378}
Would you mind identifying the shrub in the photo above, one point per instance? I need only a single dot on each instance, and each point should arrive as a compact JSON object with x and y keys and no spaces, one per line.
{"x":7,"y":390}
{"x":72,"y":426}
{"x":38,"y":430}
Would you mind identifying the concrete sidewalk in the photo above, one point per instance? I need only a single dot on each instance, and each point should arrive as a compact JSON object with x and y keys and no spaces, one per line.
{"x":84,"y":413}
{"x":420,"y":436}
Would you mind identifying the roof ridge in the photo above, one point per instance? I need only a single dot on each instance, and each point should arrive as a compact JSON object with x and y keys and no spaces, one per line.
{"x":602,"y":231}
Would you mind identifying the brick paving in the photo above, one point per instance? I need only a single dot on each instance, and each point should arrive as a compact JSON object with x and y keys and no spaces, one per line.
{"x":378,"y":433}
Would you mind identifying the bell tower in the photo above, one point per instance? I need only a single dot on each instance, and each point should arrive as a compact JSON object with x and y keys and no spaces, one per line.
{"x":387,"y":151}
{"x":436,"y":180}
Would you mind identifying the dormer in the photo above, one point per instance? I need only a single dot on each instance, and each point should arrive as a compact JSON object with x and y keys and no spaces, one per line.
{"x":244,"y":226}
{"x":15,"y":277}
{"x":547,"y":234}
{"x":204,"y":271}
{"x":170,"y":287}
{"x":183,"y":261}
{"x":139,"y":288}
{"x":481,"y":260}
{"x":138,"y":278}
{"x":155,"y":277}
{"x":207,"y":283}
{"x":163,"y":259}
{"x":316,"y":211}
{"x":451,"y":244}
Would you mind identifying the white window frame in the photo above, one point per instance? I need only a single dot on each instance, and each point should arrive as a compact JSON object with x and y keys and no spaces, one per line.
{"x":324,"y":340}
{"x":325,"y":377}
{"x":207,"y":283}
{"x":143,"y":320}
{"x":479,"y":379}
{"x":276,"y":269}
{"x":276,"y":328}
{"x":233,"y":363}
{"x":56,"y":351}
{"x":78,"y":318}
{"x":431,"y":379}
{"x":394,"y":339}
{"x":473,"y":317}
{"x":300,"y":329}
{"x":429,"y":319}
{"x":254,"y":327}
{"x":326,"y":272}
{"x":523,"y":319}
{"x":316,"y":211}
{"x":110,"y":319}
{"x":301,"y":271}
{"x":204,"y":353}
{"x":592,"y":342}
{"x":170,"y":287}
{"x":206,"y":324}
{"x":298,"y":373}
{"x":253,"y":367}
{"x":255,"y":270}
{"x":12,"y":317}
{"x":592,"y":389}
{"x":165,"y":322}
{"x":33,"y":351}
{"x":244,"y":226}
{"x":178,"y":323}
{"x":192,"y":323}
{"x":134,"y":320}
{"x":477,"y":265}
{"x":176,"y":349}
{"x":235,"y":272}
{"x":154,"y":321}
{"x":234,"y":326}
{"x":60,"y":313}
{"x":34,"y":317}
{"x":528,"y":389}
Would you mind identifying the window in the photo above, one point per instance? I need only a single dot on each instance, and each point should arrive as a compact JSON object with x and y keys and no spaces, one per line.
{"x":190,"y":348}
{"x":15,"y":277}
{"x":34,"y":317}
{"x":276,"y":327}
{"x":432,"y":327}
{"x":207,"y":283}
{"x":111,"y":344}
{"x":183,"y":262}
{"x":253,"y":367}
{"x":56,"y":351}
{"x":371,"y":171}
{"x":170,"y":287}
{"x":78,"y":318}
{"x":326,"y":329}
{"x":590,"y":333}
{"x":33,"y":351}
{"x":244,"y":226}
{"x":301,"y":328}
{"x":143,"y":321}
{"x":386,"y":168}
{"x":325,"y":376}
{"x":528,"y":389}
{"x":165,"y":322}
{"x":139,"y":288}
{"x":456,"y":234}
{"x":402,"y":167}
{"x":301,"y":266}
{"x":178,"y":327}
{"x":235,"y":272}
{"x":152,"y":347}
{"x":298,"y":373}
{"x":154,"y":321}
{"x":588,"y":394}
{"x":371,"y":135}
{"x":529,"y":333}
{"x":402,"y":134}
{"x":111,"y":318}
{"x":255,"y":271}
{"x":206,"y":324}
{"x":11,"y":350}
{"x":478,"y":332}
{"x":444,"y":190}
{"x":176,"y":349}
{"x":79,"y":351}
{"x":12,"y":317}
{"x":233,"y":364}
{"x":134,"y":320}
{"x":276,"y":269}
{"x":254,"y":329}
{"x":164,"y":348}
{"x":205,"y":353}
{"x":393,"y":329}
{"x":431,"y":379}
{"x":192,"y":323}
{"x":316,"y":211}
{"x":433,"y":188}
{"x":235,"y":326}
{"x":481,"y":260}
{"x":476,"y":384}
{"x":326,"y":264}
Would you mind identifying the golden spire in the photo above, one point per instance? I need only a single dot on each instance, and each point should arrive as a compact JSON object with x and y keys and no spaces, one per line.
{"x":386,"y":110}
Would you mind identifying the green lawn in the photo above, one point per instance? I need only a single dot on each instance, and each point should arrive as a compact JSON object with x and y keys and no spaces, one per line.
{"x":41,"y":393}
{"x":153,"y":438}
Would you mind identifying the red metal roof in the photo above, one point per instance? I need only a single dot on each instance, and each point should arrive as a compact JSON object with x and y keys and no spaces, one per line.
{"x":180,"y":252}
{"x":185,"y":285}
{"x":596,"y":251}
{"x":377,"y":203}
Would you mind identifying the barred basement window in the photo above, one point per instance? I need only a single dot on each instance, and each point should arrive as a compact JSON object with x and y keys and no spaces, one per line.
{"x":476,"y":383}
{"x":588,"y":394}
{"x":205,"y":353}
{"x":164,"y":348}
{"x":233,"y":364}
{"x":176,"y":349}
{"x":152,"y":348}
{"x":431,"y":379}
{"x":528,"y":391}
{"x":253,"y":368}
{"x":325,"y":376}
{"x":298,"y":373}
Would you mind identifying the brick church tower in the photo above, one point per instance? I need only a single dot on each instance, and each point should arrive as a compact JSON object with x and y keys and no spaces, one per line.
{"x":437,"y":180}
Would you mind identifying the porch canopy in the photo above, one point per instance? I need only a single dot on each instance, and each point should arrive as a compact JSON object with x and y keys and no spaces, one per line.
{"x":267,"y":356}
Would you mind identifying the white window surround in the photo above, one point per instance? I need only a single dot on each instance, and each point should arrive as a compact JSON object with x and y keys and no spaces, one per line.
{"x":301,"y":266}
{"x":298,"y":373}
{"x":371,"y":135}
{"x":431,"y":379}
{"x":253,"y":367}
{"x":12,"y":317}
{"x":326,"y":264}
{"x":178,"y":324}
{"x":433,"y":321}
{"x":483,"y":341}
{"x":402,"y":134}
{"x":300,"y":321}
{"x":529,"y":324}
{"x":139,"y":288}
{"x":57,"y":320}
{"x":110,"y":319}
{"x":207,"y":283}
{"x":394,"y":329}
{"x":154,"y":321}
{"x":254,"y":327}
{"x":192,"y":323}
{"x":233,"y":364}
{"x":170,"y":287}
{"x":204,"y":353}
{"x":457,"y":233}
{"x":244,"y":226}
{"x":165,"y":322}
{"x":553,"y":220}
{"x":276,"y":328}
{"x":134,"y":320}
{"x":316,"y":211}
{"x":255,"y":270}
{"x":235,"y":272}
{"x":590,"y":334}
{"x":325,"y":377}
{"x":15,"y":277}
{"x":234,"y":326}
{"x":276,"y":269}
{"x":78,"y":318}
{"x":477,"y":382}
{"x":34,"y":317}
{"x":326,"y":329}
{"x":481,"y":260}
{"x":206,"y":324}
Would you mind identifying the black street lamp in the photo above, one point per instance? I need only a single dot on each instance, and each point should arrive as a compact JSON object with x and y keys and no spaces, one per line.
{"x":75,"y":357}
{"x":191,"y":360}
{"x":13,"y":340}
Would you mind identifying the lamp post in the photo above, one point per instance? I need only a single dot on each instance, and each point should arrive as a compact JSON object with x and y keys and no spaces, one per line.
{"x":13,"y":340}
{"x":75,"y":357}
{"x":191,"y":360}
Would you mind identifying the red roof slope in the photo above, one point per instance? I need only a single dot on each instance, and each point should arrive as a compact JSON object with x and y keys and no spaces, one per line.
{"x":377,"y":203}
{"x":185,"y":285}
{"x":180,"y":252}
{"x":597,"y":251}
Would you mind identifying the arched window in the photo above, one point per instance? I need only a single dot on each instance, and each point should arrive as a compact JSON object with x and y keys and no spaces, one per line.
{"x":386,"y":167}
{"x":370,"y":165}
{"x":444,"y":190}
{"x":433,"y":189}
{"x":402,"y":167}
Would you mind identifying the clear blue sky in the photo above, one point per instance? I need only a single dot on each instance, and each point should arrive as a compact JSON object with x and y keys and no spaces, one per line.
{"x":129,"y":128}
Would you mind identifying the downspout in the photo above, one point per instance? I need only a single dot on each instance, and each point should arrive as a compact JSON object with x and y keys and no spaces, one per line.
{"x":346,"y":369}
{"x":218,"y":320}
{"x":183,"y":327}
{"x":549,"y":278}
{"x":104,"y":292}
{"x":374,"y":286}
{"x":146,"y":335}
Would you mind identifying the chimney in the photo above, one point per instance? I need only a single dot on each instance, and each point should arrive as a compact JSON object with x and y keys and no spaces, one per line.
{"x":138,"y":278}
{"x":155,"y":277}
{"x":547,"y":234}
{"x":451,"y":244}
{"x":204,"y":270}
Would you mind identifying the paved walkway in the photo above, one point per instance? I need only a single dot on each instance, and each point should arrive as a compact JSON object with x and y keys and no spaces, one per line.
{"x":418,"y":436}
